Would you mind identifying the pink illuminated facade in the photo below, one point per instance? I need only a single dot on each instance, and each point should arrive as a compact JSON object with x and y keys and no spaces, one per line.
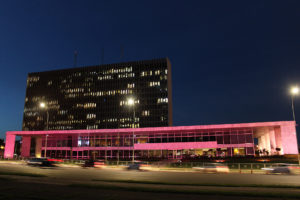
{"x":273,"y":138}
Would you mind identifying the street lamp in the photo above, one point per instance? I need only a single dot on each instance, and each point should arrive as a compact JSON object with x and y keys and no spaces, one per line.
{"x":131,"y":103}
{"x":294,"y":91}
{"x":43,"y":106}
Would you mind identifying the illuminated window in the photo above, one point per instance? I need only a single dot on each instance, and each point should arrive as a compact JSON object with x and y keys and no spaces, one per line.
{"x":130,"y":85}
{"x":154,"y":83}
{"x":122,"y":103}
{"x":62,"y":112}
{"x":145,"y":113}
{"x":90,"y":105}
{"x":146,"y":73}
{"x":91,"y":116}
{"x":92,"y":126}
{"x":79,"y":105}
{"x":162,"y":100}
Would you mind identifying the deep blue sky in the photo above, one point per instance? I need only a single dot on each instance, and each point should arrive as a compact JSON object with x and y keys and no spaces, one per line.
{"x":232,"y":61}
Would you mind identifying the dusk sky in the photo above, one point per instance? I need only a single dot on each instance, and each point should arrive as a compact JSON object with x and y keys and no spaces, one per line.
{"x":232,"y":61}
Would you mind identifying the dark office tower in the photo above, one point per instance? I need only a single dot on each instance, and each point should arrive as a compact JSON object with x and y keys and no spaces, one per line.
{"x":96,"y":97}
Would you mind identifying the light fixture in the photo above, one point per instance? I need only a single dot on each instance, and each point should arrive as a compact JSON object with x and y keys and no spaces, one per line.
{"x":42,"y":105}
{"x":130,"y":101}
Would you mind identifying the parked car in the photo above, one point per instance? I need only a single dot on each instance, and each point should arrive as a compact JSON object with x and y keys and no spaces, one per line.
{"x":213,"y":168}
{"x":281,"y":168}
{"x":39,"y":162}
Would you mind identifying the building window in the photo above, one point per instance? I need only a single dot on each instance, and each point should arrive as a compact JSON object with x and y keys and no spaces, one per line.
{"x":162,"y":100}
{"x":145,"y":113}
{"x":92,"y":126}
{"x":130,"y":85}
{"x":91,"y":116}
{"x":62,"y":112}
{"x":154,"y":83}
{"x":89,"y":105}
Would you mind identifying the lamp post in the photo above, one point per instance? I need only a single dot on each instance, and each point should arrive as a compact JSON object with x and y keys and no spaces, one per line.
{"x":294,"y":92}
{"x":43,"y":106}
{"x":131,"y":103}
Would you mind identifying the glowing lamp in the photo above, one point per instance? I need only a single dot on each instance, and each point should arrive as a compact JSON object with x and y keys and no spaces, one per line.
{"x":130,"y":101}
{"x":294,"y":90}
{"x":42,"y":105}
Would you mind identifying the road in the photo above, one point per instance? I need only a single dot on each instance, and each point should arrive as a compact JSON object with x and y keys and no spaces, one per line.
{"x":156,"y":176}
{"x":58,"y":184}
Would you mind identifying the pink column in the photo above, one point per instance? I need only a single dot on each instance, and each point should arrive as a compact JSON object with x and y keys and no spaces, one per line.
{"x":289,"y":139}
{"x":25,"y":150}
{"x":9,"y":146}
{"x":278,"y":139}
{"x":38,"y":146}
{"x":267,"y":141}
{"x":272,"y":140}
{"x":262,"y":142}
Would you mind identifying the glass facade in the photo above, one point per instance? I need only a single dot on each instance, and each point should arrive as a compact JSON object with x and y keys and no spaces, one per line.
{"x":96,"y":97}
{"x":151,"y":145}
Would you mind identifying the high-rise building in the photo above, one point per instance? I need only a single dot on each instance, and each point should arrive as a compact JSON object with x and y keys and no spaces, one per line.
{"x":97,"y":97}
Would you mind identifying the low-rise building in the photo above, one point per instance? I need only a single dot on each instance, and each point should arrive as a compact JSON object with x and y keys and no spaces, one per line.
{"x":226,"y":140}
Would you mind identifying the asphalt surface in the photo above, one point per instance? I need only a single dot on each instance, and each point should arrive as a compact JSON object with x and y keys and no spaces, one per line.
{"x":87,"y":174}
{"x":18,"y":190}
{"x":62,"y":177}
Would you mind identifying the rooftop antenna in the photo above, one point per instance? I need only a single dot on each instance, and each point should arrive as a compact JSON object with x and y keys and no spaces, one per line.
{"x":75,"y":58}
{"x":121,"y":52}
{"x":102,"y":56}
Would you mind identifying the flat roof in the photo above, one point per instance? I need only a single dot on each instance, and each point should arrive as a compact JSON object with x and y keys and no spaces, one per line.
{"x":157,"y":129}
{"x":92,"y":67}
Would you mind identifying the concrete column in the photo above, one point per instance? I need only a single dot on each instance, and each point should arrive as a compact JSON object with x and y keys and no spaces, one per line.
{"x":289,"y":139}
{"x":9,"y":146}
{"x":278,"y":139}
{"x":262,"y":142}
{"x":267,"y":142}
{"x":26,"y":142}
{"x":272,"y":141}
{"x":38,"y":146}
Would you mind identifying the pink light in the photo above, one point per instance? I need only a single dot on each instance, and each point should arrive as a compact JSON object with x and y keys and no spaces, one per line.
{"x":285,"y":130}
